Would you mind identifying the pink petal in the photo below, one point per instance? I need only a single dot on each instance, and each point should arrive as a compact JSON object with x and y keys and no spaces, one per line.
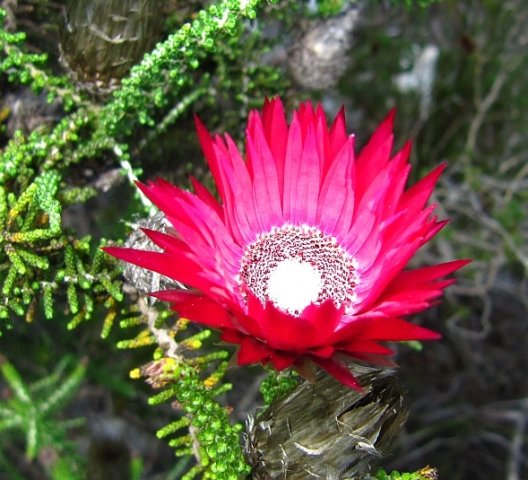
{"x":239,"y":207}
{"x":364,"y":347}
{"x":252,"y":351}
{"x":232,"y":336}
{"x":306,"y":186}
{"x":411,"y":278}
{"x":397,"y":177}
{"x":339,"y":371}
{"x":396,"y":330}
{"x":337,"y":134}
{"x":322,"y":141}
{"x":207,"y":146}
{"x":417,"y":196}
{"x":276,"y":131}
{"x":294,"y":148}
{"x":177,"y":267}
{"x":336,"y":198}
{"x":207,"y":197}
{"x":198,"y":308}
{"x":280,"y":329}
{"x":284,"y":331}
{"x":266,"y":192}
{"x":282,"y":360}
{"x":324,"y":352}
{"x":375,"y":155}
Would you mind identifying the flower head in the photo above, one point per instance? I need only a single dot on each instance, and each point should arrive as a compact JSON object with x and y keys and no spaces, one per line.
{"x":303,"y":257}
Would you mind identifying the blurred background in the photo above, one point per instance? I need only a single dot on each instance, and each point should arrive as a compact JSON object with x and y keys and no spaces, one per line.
{"x":457,"y":72}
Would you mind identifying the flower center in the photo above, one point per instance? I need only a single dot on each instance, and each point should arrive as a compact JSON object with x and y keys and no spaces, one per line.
{"x":294,"y":266}
{"x":293,"y":285}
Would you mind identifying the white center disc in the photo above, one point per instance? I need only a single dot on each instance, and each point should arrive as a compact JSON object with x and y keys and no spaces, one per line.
{"x":293,"y":285}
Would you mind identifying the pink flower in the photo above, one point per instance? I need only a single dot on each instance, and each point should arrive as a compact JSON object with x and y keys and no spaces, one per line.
{"x":302,"y":259}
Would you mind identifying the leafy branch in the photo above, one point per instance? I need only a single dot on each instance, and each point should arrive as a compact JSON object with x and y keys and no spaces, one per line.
{"x":30,"y":68}
{"x":192,"y":380}
{"x":150,"y":87}
{"x":32,"y":241}
{"x":30,"y":410}
{"x":426,"y":473}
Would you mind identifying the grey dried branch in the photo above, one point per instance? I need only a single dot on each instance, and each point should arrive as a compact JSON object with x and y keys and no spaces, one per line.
{"x":140,"y":278}
{"x":326,"y":430}
{"x":103,"y":39}
{"x":320,"y":54}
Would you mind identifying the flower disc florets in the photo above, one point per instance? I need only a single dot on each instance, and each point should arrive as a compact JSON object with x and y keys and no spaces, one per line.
{"x":294,"y":266}
{"x":303,"y":257}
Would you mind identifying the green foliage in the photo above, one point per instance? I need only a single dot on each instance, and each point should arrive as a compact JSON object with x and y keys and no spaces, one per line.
{"x":277,"y":384}
{"x":30,"y":68}
{"x":330,"y":7}
{"x":232,"y":64}
{"x":412,"y":3}
{"x":23,"y":158}
{"x":176,"y":58}
{"x":426,"y":473}
{"x":184,"y":374}
{"x":421,"y":3}
{"x":218,"y":441}
{"x":29,"y":411}
{"x":28,"y":222}
{"x":32,"y":241}
{"x":150,"y":87}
